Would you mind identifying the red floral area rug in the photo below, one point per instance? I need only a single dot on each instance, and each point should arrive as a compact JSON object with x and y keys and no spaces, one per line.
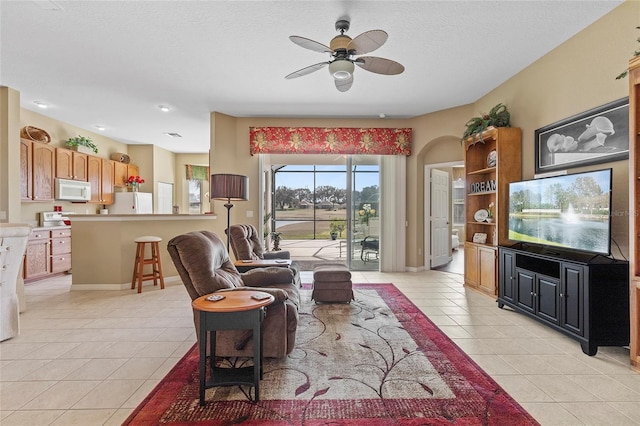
{"x":376,"y":361}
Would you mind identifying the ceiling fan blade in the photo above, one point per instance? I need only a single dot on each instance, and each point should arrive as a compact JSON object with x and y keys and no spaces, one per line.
{"x":367,"y":41}
{"x":306,"y":70}
{"x":310,"y":44}
{"x":379,"y":65}
{"x":345,"y":84}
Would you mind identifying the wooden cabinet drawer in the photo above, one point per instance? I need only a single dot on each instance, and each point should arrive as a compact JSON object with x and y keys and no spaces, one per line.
{"x":61,"y":245}
{"x":56,"y":233}
{"x":60,"y":262}
{"x":39,"y":235}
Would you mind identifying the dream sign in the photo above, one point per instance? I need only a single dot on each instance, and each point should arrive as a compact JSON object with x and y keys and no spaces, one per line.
{"x":487,"y":186}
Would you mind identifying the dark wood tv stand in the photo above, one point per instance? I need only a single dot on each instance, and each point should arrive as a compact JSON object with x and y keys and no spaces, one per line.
{"x":583,"y":296}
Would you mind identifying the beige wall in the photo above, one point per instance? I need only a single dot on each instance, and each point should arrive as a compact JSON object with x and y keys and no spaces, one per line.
{"x":9,"y":155}
{"x":142,"y":156}
{"x":576,"y":76}
{"x":181,"y":186}
{"x":163,"y":171}
{"x":60,"y":132}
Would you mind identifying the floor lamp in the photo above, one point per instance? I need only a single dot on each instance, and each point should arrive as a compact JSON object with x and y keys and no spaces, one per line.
{"x":229,"y":188}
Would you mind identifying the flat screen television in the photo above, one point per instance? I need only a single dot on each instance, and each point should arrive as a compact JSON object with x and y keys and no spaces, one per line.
{"x":571,"y":211}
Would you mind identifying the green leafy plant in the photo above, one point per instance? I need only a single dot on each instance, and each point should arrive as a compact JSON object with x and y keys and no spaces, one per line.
{"x":498,"y":116}
{"x":276,"y":237}
{"x":266,"y":229}
{"x":337,"y":226}
{"x":82,"y":141}
{"x":636,"y":53}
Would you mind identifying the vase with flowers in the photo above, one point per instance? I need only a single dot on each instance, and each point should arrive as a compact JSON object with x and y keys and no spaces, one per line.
{"x":134,"y":182}
{"x":366,"y":212}
{"x":490,"y":212}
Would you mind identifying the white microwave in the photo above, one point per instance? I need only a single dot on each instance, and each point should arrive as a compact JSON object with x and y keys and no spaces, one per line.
{"x":72,"y":190}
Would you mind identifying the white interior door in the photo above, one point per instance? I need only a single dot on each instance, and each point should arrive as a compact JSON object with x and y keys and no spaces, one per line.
{"x":440,"y":235}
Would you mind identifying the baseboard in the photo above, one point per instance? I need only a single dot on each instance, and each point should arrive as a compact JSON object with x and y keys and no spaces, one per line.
{"x":119,"y":287}
{"x":414,"y":268}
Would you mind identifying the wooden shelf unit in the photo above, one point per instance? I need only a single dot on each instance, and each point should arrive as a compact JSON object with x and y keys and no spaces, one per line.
{"x":481,"y":260}
{"x":634,"y":206}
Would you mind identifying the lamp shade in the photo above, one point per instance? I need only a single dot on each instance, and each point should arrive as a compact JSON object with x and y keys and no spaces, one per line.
{"x":229,"y":187}
{"x":341,"y":69}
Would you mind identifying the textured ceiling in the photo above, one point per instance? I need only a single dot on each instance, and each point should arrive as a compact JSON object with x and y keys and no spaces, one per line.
{"x":111,"y":63}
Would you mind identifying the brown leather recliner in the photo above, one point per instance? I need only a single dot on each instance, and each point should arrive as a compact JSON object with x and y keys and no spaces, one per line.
{"x":247,"y":245}
{"x":204,"y":266}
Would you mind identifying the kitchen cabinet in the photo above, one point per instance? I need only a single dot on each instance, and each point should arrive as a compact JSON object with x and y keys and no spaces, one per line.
{"x":107,"y":178}
{"x":60,"y":250}
{"x":48,"y":253}
{"x":71,"y":164}
{"x":582,"y":296}
{"x":43,"y":171}
{"x":36,"y":261}
{"x":123,"y":171}
{"x":94,"y":170}
{"x":26,"y":166}
{"x":100,"y":172}
{"x":37,"y":171}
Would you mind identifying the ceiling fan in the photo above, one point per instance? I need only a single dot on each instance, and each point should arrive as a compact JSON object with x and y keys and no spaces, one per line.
{"x":343,"y":50}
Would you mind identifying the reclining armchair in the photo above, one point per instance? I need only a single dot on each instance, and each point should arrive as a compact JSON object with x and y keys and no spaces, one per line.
{"x":204,"y":266}
{"x":247,"y":245}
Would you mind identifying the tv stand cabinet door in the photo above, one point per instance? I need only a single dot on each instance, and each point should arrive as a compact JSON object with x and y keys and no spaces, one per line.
{"x":506,"y":285}
{"x":572,"y":298}
{"x":548,"y":306}
{"x":525,"y":289}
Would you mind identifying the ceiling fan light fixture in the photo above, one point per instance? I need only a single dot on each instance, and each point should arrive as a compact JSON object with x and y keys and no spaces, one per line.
{"x":341,"y":69}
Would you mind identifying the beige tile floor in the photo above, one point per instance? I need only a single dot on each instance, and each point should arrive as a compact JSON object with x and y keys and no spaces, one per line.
{"x":89,"y":357}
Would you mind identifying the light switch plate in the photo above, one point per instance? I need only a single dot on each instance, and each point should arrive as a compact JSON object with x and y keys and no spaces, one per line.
{"x":249,"y":213}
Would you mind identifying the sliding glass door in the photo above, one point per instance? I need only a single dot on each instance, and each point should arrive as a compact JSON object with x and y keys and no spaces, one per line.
{"x":327,"y":212}
{"x":364,"y":212}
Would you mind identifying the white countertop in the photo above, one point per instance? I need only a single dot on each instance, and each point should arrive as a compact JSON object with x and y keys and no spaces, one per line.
{"x":137,"y":217}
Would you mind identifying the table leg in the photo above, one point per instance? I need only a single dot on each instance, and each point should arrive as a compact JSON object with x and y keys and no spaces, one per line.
{"x":257,"y":355}
{"x":203,"y":356}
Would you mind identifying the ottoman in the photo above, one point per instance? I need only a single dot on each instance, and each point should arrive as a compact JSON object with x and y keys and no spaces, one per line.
{"x":331,"y":283}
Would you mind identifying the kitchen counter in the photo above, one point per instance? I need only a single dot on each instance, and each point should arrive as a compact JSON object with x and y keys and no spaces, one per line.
{"x":103,"y":251}
{"x":49,"y":228}
{"x":137,"y":217}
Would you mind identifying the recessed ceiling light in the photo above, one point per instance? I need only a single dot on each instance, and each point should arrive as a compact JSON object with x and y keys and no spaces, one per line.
{"x":101,"y":128}
{"x":173,"y":135}
{"x":164,"y":108}
{"x":41,"y":104}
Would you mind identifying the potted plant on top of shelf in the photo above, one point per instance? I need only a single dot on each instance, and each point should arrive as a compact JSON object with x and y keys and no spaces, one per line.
{"x":635,"y":55}
{"x":498,"y":117}
{"x":82,"y":144}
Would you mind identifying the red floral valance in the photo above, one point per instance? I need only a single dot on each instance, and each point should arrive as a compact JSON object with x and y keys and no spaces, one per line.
{"x":329,"y":140}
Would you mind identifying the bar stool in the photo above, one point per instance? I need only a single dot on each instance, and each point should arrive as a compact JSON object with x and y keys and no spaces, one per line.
{"x":154,"y":261}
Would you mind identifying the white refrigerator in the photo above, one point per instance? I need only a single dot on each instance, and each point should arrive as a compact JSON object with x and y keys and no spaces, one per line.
{"x":132,"y":203}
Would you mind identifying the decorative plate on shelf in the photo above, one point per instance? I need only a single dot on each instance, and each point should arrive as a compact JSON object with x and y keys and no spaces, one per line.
{"x":492,"y":159}
{"x":481,"y":215}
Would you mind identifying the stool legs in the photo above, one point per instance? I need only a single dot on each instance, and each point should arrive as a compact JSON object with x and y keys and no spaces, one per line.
{"x":155,"y":249}
{"x":138,"y":267}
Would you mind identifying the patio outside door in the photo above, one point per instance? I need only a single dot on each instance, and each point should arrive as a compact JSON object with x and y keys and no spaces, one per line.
{"x":364,"y":216}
